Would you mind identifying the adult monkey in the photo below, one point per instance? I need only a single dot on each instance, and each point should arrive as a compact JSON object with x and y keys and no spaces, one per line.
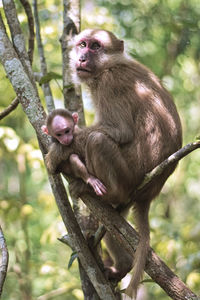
{"x":138,"y":114}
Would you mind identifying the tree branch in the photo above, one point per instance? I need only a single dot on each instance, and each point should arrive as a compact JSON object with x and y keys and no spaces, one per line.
{"x":9,"y":109}
{"x":46,"y":86}
{"x":128,"y":239}
{"x":25,"y":90}
{"x":158,"y":170}
{"x":4,"y":260}
{"x":28,"y":11}
{"x":62,"y":291}
{"x":18,"y":37}
{"x":78,"y":242}
{"x":170,"y":290}
{"x":71,"y":26}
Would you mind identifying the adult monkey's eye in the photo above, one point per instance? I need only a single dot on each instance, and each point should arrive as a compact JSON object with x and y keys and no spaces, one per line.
{"x":95,"y":46}
{"x":82,"y":45}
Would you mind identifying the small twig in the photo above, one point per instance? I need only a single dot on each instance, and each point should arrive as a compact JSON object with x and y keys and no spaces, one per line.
{"x":28,"y":11}
{"x":10,"y":108}
{"x":66,"y":239}
{"x":4,"y":260}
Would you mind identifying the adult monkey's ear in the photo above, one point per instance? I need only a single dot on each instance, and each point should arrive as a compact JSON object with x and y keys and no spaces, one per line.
{"x":75,"y":117}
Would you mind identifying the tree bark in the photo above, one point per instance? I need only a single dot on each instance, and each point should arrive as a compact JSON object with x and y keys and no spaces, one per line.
{"x":4,"y":260}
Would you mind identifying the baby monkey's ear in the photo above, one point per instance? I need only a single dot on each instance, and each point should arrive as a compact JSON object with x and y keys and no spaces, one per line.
{"x":75,"y":117}
{"x":45,"y":129}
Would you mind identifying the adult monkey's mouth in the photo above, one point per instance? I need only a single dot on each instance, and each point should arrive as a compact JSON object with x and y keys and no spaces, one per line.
{"x":81,"y":69}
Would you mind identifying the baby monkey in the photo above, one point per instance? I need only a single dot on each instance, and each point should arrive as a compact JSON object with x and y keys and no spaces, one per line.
{"x":67,"y":151}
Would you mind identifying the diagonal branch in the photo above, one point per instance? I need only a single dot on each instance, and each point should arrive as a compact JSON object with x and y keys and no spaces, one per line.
{"x":9,"y":109}
{"x":156,"y":269}
{"x":149,"y":177}
{"x":78,"y":242}
{"x":128,"y":238}
{"x":158,"y":170}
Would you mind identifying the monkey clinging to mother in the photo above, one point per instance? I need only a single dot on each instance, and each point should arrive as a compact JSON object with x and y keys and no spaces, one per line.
{"x":136,"y":127}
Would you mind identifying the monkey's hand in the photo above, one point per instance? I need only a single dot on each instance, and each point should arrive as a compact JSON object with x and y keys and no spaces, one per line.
{"x":97,"y":185}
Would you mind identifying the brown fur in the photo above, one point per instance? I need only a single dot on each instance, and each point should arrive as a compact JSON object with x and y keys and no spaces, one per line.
{"x":136,"y":112}
{"x":68,"y":158}
{"x":71,"y":159}
{"x":59,"y":153}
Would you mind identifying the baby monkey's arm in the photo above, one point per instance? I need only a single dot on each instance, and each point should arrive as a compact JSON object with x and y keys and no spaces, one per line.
{"x":80,"y":170}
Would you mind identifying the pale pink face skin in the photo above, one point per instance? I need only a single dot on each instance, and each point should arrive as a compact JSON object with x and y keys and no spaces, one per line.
{"x":87,"y":50}
{"x":62,"y":129}
{"x":93,"y":51}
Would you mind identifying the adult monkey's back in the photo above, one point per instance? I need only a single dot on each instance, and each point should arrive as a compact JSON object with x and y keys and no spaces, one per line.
{"x":135,"y":111}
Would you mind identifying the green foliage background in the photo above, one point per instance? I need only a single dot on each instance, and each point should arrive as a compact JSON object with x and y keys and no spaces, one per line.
{"x":165,"y":36}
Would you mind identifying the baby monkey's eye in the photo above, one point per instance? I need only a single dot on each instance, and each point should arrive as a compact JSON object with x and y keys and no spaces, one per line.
{"x":58,"y":134}
{"x":67,"y":130}
{"x":82,"y":44}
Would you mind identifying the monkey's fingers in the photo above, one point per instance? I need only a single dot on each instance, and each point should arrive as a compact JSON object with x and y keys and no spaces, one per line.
{"x":97,"y":185}
{"x":100,"y":187}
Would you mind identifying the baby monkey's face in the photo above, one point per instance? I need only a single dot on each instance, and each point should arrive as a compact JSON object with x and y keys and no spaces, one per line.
{"x":62,"y":129}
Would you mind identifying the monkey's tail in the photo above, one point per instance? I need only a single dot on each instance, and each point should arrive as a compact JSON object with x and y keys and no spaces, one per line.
{"x":141,"y":209}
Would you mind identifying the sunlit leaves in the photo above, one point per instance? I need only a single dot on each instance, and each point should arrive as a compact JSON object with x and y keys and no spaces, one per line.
{"x":9,"y":138}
